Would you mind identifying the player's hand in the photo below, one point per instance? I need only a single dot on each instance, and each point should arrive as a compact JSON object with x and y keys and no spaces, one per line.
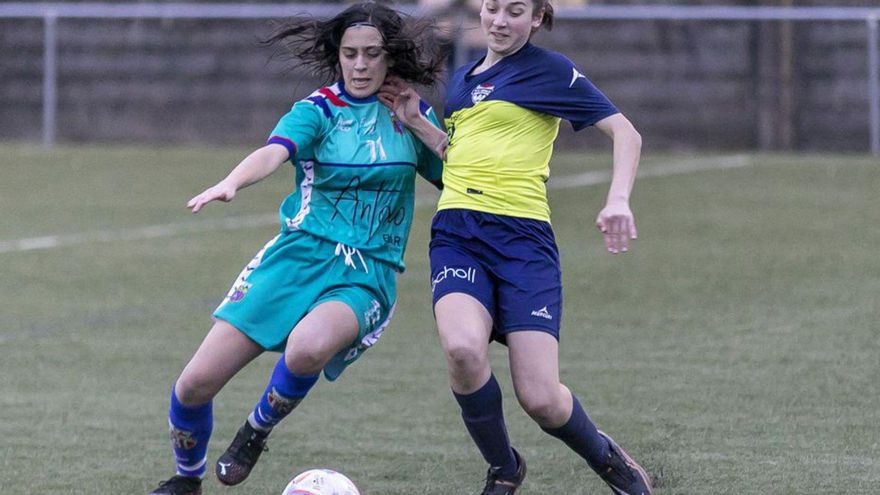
{"x":618,"y":226}
{"x":220,"y":192}
{"x":401,"y":99}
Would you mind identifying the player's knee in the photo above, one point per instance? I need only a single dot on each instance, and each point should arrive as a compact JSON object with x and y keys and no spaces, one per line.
{"x":195,"y":388}
{"x":306,"y":360}
{"x":464,"y":358}
{"x":543,"y":408}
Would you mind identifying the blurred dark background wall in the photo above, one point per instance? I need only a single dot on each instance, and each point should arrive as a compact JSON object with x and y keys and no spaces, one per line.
{"x":686,"y":85}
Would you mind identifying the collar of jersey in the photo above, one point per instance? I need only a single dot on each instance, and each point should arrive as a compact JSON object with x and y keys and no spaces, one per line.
{"x":351,"y":99}
{"x":491,"y":71}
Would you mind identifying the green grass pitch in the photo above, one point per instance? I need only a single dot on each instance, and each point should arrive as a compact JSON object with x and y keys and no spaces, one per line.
{"x":735,"y":350}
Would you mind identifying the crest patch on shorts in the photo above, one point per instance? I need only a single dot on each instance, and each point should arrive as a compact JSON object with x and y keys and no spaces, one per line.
{"x":239,"y":291}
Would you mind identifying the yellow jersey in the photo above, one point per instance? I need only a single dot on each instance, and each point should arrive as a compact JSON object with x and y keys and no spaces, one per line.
{"x":502,"y":124}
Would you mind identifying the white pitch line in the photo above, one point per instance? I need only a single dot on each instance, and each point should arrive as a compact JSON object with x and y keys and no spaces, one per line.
{"x":149,"y":232}
{"x":591,"y":178}
{"x":684,"y":166}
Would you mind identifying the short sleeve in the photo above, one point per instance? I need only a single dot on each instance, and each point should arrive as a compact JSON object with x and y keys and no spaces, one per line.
{"x":563,"y":91}
{"x":299,"y":128}
{"x":430,"y":166}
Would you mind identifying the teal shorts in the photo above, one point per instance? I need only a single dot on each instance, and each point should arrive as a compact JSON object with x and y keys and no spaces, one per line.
{"x":294,"y":273}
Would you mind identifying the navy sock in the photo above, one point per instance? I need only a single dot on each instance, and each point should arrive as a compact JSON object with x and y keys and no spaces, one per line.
{"x":581,"y":435}
{"x":283,"y":393}
{"x":484,"y":418}
{"x":190,"y":432}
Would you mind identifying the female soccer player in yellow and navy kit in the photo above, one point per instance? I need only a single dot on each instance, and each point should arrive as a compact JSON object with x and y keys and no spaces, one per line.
{"x":494,"y":262}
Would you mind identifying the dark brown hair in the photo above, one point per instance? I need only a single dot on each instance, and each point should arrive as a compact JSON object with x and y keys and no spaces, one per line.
{"x":412,"y":44}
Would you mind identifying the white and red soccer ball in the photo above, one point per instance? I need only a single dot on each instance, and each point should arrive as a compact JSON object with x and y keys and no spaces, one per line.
{"x":320,"y":482}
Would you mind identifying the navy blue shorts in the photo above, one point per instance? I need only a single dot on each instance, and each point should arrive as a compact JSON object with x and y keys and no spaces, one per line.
{"x":509,"y":264}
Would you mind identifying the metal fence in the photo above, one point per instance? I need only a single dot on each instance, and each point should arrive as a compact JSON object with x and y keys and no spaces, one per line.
{"x":51,"y":14}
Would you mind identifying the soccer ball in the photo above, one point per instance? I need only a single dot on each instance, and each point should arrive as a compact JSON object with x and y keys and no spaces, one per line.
{"x":320,"y":482}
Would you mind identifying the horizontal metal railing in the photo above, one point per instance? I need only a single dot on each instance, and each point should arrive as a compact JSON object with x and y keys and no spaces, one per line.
{"x":52,"y":12}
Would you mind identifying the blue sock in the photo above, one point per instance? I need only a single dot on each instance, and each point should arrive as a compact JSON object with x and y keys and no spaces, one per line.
{"x":190,"y":432}
{"x":581,"y":435}
{"x":484,"y":418}
{"x":283,"y":393}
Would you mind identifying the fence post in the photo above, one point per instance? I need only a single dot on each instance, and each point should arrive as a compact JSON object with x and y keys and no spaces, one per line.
{"x":50,"y":83}
{"x":874,"y":82}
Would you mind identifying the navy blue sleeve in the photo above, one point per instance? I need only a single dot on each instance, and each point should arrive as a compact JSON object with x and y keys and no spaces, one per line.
{"x":561,"y":90}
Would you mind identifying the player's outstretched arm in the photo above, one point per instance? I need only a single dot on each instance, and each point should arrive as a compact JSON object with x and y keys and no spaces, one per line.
{"x":254,"y":168}
{"x":616,"y":221}
{"x":404,"y":101}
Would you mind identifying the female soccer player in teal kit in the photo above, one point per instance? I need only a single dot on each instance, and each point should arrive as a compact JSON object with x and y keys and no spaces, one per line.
{"x":494,"y":262}
{"x":322,"y":290}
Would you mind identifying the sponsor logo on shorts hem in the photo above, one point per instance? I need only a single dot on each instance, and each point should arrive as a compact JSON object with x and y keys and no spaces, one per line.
{"x":373,"y":315}
{"x":543,"y":313}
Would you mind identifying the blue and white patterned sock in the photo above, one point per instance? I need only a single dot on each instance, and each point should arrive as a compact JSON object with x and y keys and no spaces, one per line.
{"x":283,"y":393}
{"x":190,"y":429}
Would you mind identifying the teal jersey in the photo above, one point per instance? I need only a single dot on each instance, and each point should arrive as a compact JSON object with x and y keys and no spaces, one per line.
{"x":355,"y":172}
